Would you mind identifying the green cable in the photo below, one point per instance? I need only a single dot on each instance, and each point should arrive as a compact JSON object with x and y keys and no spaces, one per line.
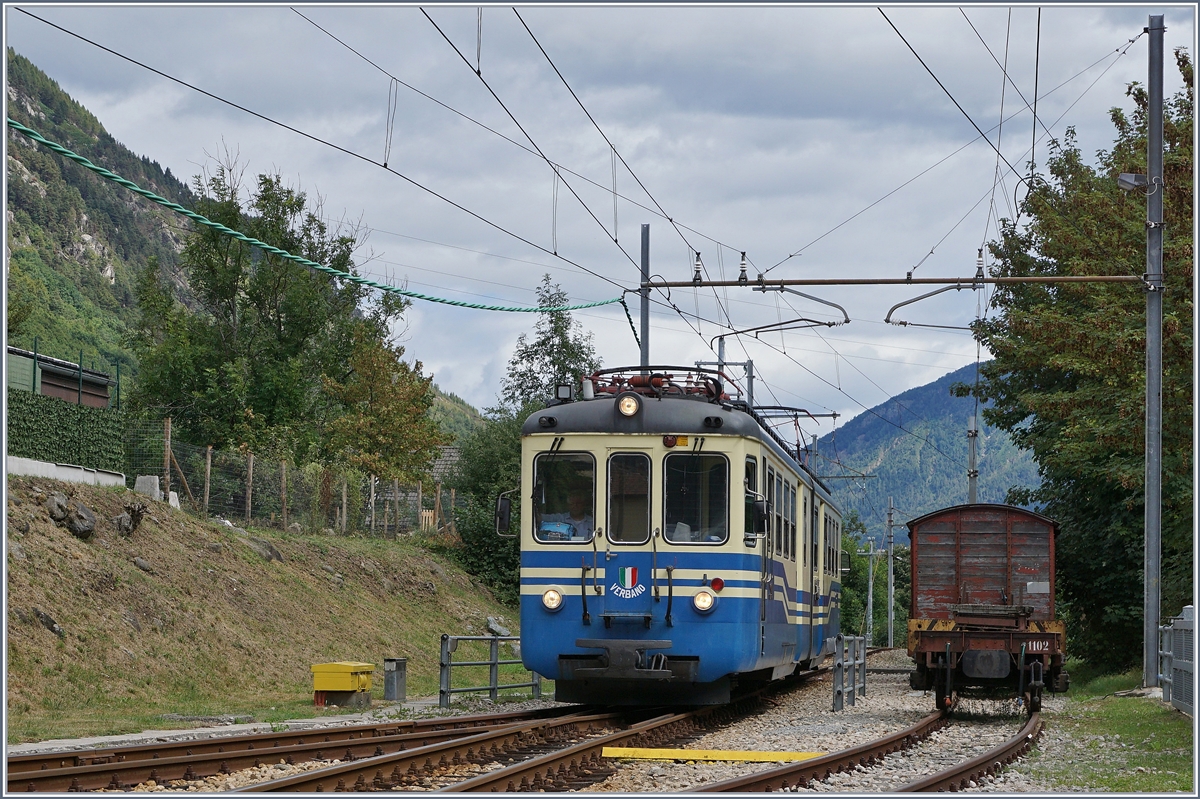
{"x":58,"y":148}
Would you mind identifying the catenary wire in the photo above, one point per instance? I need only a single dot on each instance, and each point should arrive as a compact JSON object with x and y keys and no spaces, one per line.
{"x":1028,"y":183}
{"x":1119,"y":51}
{"x":201,"y":219}
{"x":339,"y":148}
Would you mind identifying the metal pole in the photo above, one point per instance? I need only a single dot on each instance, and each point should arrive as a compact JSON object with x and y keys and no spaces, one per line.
{"x":645,"y":292}
{"x":720,"y":353}
{"x":871,"y":592}
{"x":891,"y":577}
{"x":1154,"y":280}
{"x":972,"y":472}
{"x":750,"y":384}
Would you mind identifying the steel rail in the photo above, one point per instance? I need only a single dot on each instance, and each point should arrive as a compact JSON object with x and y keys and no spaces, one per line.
{"x":581,"y":763}
{"x":197,"y":759}
{"x":38,"y":761}
{"x":956,"y":777}
{"x":820,"y":768}
{"x":397,"y":770}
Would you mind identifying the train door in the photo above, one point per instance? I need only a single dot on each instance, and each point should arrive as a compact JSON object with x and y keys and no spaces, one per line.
{"x":815,"y":638}
{"x":627,"y":562}
{"x":765,"y":577}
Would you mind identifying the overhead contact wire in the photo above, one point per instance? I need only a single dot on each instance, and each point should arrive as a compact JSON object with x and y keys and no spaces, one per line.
{"x":203,"y":220}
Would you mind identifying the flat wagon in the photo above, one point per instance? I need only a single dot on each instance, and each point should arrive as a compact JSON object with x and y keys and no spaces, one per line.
{"x":983,"y":619}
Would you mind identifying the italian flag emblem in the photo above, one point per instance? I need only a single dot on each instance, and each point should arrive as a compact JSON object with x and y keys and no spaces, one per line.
{"x":627,"y":577}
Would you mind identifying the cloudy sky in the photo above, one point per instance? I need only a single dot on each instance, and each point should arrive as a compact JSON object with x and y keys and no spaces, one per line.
{"x":812,"y":132}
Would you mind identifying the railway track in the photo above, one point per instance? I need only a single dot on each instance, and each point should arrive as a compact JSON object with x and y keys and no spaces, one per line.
{"x":557,"y":749}
{"x":954,"y":778}
{"x":125,"y":766}
{"x":990,"y":762}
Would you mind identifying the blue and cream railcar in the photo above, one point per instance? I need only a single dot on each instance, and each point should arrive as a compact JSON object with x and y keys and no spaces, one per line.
{"x":649,"y":575}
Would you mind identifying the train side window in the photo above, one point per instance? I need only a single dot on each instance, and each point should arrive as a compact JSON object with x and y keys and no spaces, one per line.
{"x":771,"y":503}
{"x":629,"y":498}
{"x":804,"y":531}
{"x":791,"y":508}
{"x":787,"y":541}
{"x":695,"y":498}
{"x":779,"y":512}
{"x":751,"y":483}
{"x":564,"y":497}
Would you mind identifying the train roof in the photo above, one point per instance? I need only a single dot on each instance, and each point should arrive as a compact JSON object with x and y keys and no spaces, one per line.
{"x":696,"y":413}
{"x":983,"y":506}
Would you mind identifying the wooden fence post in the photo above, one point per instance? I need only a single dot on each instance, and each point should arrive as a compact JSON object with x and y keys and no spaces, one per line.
{"x":453,"y":527}
{"x":387,"y":507}
{"x":372,"y":477}
{"x":419,"y":506}
{"x":343,"y":506}
{"x":249,"y":483}
{"x":207,"y":475}
{"x":396,"y":499}
{"x":167,"y":458}
{"x":283,"y":490}
{"x":437,"y":509}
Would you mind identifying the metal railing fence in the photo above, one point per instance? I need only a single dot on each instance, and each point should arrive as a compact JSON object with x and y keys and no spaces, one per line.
{"x":493,"y":662}
{"x":849,"y":652}
{"x":1176,"y":657}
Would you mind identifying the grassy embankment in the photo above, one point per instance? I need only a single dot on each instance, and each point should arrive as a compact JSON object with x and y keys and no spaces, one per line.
{"x":206,"y":626}
{"x":1117,"y":743}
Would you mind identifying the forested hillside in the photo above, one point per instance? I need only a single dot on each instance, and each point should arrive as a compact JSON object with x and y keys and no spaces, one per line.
{"x":922,"y":469}
{"x":75,"y":238}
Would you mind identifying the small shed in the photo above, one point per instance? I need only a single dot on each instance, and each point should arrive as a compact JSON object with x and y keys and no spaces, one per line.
{"x":53,"y":377}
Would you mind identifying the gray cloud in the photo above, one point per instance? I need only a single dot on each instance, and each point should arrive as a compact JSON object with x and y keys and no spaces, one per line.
{"x":763,"y":128}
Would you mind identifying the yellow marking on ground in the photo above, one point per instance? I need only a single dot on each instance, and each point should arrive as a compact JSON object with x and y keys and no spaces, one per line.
{"x":634,"y":753}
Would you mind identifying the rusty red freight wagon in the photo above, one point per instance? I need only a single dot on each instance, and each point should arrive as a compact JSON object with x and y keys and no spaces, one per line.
{"x":983,"y":619}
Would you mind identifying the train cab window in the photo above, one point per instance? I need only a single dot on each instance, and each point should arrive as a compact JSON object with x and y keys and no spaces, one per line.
{"x":695,"y":498}
{"x":564,"y":497}
{"x":629,"y":498}
{"x":751,"y":483}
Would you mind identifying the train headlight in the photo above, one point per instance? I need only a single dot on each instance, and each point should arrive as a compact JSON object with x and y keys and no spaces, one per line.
{"x":552,"y":599}
{"x":703,"y":601}
{"x":629,"y":404}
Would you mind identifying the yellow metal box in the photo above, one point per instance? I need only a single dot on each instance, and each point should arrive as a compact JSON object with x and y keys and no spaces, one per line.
{"x":342,"y":676}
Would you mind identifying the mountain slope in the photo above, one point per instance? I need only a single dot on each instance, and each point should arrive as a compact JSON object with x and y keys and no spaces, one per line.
{"x":75,"y":238}
{"x":925,"y":468}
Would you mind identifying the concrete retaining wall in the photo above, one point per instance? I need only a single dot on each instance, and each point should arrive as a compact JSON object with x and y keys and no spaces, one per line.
{"x":68,"y":472}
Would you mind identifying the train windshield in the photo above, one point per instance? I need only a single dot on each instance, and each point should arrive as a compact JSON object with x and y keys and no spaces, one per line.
{"x":696,"y":498}
{"x":629,"y":498}
{"x":564,"y":497}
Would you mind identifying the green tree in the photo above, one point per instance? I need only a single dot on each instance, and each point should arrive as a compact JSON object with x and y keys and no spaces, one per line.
{"x":25,"y":296}
{"x":235,"y":347}
{"x":492,"y":466}
{"x":856,"y":583}
{"x":384,"y":429}
{"x":1068,"y":378}
{"x":560,"y":352}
